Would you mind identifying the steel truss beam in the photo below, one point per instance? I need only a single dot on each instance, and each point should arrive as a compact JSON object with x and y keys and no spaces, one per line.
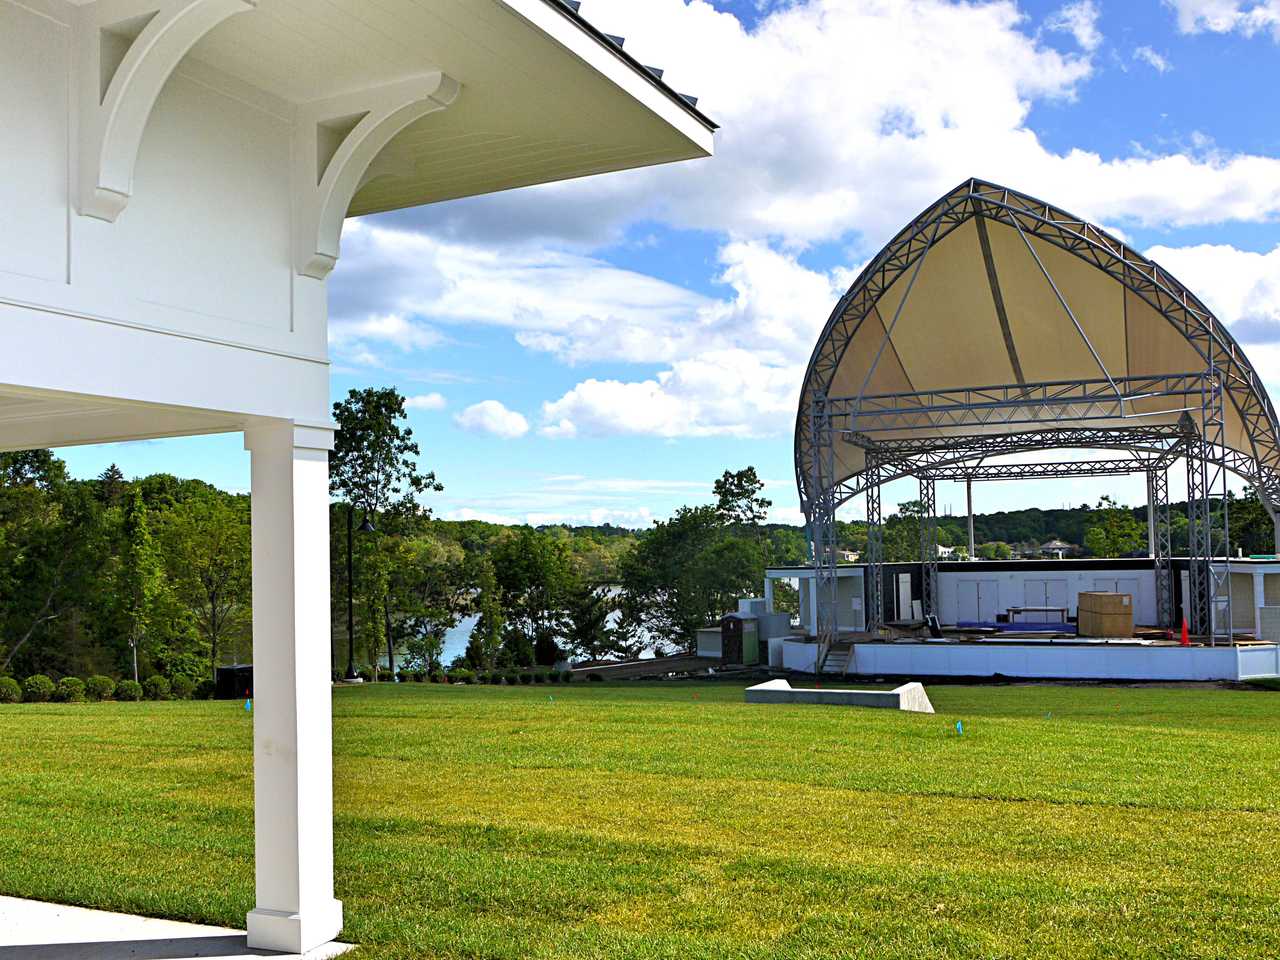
{"x":857,"y":419}
{"x":1043,"y":471}
{"x":916,"y":455}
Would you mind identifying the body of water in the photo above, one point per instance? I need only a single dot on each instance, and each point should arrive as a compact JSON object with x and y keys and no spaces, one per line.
{"x":455,"y":641}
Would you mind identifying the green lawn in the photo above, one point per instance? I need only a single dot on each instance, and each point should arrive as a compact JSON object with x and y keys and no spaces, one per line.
{"x":672,"y":820}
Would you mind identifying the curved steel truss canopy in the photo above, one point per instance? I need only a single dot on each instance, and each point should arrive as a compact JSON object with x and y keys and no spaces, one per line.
{"x":995,"y":323}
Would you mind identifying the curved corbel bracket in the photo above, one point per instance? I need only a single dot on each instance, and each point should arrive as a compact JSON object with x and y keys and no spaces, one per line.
{"x":338,"y":141}
{"x":116,"y":99}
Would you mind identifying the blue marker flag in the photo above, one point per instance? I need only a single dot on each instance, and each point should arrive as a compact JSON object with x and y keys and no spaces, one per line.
{"x":248,"y":705}
{"x":959,"y":728}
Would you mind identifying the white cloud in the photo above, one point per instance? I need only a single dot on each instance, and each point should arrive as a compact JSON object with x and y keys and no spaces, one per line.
{"x":426,"y":401}
{"x":1241,"y":287}
{"x":1226,"y":16}
{"x":359,"y":340}
{"x":818,"y":144}
{"x":725,"y":393}
{"x":490,"y":416}
{"x":844,"y":119}
{"x":1153,"y":59}
{"x":575,"y":307}
{"x":1080,"y":19}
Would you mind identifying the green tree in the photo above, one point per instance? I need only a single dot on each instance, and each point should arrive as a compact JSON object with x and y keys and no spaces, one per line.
{"x":589,"y":634}
{"x":738,"y":499}
{"x":374,"y":468}
{"x":140,"y":578}
{"x":111,"y":485}
{"x":902,"y":533}
{"x":995,"y":550}
{"x":1114,"y":532}
{"x":50,"y":556}
{"x":436,"y":594}
{"x":1251,"y":527}
{"x":206,"y":544}
{"x":685,"y":572}
{"x":489,"y":631}
{"x":537,"y":576}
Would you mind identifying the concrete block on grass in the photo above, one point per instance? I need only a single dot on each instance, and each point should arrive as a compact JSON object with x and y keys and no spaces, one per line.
{"x":909,"y":696}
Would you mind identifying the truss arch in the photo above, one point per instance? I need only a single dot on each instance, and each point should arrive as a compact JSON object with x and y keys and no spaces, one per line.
{"x":994,"y":324}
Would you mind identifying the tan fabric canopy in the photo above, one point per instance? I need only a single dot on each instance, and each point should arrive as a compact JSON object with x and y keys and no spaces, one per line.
{"x":989,"y":288}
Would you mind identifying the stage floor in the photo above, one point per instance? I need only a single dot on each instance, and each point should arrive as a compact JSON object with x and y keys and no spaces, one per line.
{"x":1073,"y":659}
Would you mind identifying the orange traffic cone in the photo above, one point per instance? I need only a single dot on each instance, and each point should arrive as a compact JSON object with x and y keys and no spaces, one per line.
{"x":1186,"y":640}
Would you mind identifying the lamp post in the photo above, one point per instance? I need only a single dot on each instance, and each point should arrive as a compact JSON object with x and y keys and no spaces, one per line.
{"x":365,"y":527}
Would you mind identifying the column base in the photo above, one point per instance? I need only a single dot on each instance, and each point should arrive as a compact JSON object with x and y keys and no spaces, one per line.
{"x":293,"y":932}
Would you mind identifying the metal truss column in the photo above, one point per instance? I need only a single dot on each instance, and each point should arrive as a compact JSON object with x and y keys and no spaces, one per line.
{"x":968,"y":496}
{"x":1159,"y":530}
{"x":928,"y":546}
{"x":1208,"y":538}
{"x":875,"y":549}
{"x":823,"y":531}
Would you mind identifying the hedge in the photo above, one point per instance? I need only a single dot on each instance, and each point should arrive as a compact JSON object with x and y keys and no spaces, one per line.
{"x":99,"y":688}
{"x":37,"y":688}
{"x":182,"y":687}
{"x":10,"y":692}
{"x":69,"y":690}
{"x":156,"y":687}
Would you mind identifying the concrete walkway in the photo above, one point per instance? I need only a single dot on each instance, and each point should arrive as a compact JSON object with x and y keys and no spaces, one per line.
{"x":31,"y":930}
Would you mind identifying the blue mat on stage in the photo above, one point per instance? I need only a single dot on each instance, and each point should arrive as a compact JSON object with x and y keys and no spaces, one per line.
{"x":1017,"y":627}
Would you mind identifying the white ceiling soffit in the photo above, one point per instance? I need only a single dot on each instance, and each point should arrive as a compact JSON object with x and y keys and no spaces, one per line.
{"x":544,"y":96}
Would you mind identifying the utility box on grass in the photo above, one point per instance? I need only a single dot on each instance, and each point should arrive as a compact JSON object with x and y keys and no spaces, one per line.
{"x":233,"y":683}
{"x":739,"y":640}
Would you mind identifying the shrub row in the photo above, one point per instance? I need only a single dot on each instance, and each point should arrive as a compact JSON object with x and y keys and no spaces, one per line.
{"x":40,"y":689}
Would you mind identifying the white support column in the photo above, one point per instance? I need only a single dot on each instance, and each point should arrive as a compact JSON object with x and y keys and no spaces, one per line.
{"x":768,"y":593}
{"x":1259,"y":601}
{"x":292,"y":710}
{"x":813,"y":605}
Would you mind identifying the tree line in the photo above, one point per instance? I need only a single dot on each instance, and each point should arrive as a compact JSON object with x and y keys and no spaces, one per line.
{"x":151,"y":576}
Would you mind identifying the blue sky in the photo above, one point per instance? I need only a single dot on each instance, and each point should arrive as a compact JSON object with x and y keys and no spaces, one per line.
{"x":601,"y":350}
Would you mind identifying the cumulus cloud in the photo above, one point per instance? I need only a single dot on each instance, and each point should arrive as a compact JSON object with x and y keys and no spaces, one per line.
{"x":425,"y":401}
{"x":1227,"y":16}
{"x":816,"y":147}
{"x":492,"y":417}
{"x":1241,"y":287}
{"x":1080,"y":19}
{"x":576,"y":307}
{"x":1151,"y":58}
{"x":719,"y":393}
{"x":844,"y":119}
{"x":364,"y":339}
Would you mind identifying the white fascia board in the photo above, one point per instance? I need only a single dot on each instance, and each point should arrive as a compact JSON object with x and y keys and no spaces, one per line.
{"x":561,"y":28}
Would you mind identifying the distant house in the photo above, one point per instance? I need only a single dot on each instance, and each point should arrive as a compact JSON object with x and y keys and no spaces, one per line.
{"x":1058,"y":550}
{"x":946,"y":553}
{"x":847,"y":556}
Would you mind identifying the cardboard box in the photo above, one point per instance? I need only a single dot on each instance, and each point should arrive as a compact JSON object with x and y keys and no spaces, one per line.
{"x":1098,"y":601}
{"x":1104,"y":615}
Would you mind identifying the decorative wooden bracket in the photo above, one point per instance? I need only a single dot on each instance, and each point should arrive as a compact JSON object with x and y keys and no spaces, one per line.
{"x":338,"y":140}
{"x":124,"y":62}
